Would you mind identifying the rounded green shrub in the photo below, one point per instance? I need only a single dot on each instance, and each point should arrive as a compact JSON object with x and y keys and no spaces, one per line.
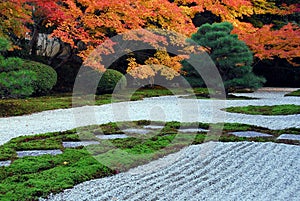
{"x":46,"y":76}
{"x":111,"y":80}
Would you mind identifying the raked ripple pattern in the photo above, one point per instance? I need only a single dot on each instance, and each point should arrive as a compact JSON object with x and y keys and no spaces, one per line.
{"x":231,"y":171}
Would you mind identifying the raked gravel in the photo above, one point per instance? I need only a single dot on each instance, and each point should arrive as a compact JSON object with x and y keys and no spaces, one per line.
{"x":210,"y":171}
{"x":166,"y":108}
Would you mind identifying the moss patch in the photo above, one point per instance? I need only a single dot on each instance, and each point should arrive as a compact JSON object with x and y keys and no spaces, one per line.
{"x":266,"y":110}
{"x":294,"y":93}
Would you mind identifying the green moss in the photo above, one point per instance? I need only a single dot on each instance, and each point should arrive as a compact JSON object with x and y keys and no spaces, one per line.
{"x":32,"y":177}
{"x":266,"y":110}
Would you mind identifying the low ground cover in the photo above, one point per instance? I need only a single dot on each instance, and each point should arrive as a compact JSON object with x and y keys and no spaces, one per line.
{"x":37,"y":176}
{"x":266,"y":110}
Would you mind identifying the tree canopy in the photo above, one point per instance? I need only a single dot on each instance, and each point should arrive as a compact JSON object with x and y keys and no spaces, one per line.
{"x":93,"y":22}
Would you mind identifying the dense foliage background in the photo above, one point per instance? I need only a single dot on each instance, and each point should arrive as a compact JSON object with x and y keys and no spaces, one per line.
{"x":63,"y":33}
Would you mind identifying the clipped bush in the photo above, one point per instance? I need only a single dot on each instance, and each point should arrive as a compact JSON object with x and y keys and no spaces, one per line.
{"x":46,"y":76}
{"x":111,"y":80}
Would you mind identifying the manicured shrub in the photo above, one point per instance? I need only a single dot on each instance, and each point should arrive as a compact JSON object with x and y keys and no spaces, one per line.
{"x":46,"y":76}
{"x":111,"y":80}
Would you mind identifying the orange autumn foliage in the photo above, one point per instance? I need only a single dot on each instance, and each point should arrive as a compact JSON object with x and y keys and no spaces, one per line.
{"x":162,"y":62}
{"x":268,"y":44}
{"x":95,"y":22}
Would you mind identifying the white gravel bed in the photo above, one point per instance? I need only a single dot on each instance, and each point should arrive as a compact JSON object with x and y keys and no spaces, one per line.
{"x":210,"y":171}
{"x":167,"y":108}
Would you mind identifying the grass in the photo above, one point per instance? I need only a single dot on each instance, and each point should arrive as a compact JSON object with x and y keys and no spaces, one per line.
{"x":294,"y":93}
{"x":266,"y":110}
{"x":16,"y":107}
{"x":31,"y":177}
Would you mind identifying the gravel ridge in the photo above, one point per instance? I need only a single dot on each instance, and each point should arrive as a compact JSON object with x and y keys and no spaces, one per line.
{"x":230,"y":171}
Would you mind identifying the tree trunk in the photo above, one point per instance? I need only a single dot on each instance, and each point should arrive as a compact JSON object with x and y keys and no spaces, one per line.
{"x":34,"y":40}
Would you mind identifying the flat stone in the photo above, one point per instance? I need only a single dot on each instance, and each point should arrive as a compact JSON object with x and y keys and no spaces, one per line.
{"x":136,"y":131}
{"x":192,"y":130}
{"x":79,"y":143}
{"x":112,"y":136}
{"x":289,"y":137}
{"x":38,"y":152}
{"x":153,"y":127}
{"x":250,"y":134}
{"x":5,"y":163}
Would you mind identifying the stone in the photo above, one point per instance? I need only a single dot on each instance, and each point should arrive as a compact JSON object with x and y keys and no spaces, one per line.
{"x":112,"y":136}
{"x":153,"y":127}
{"x":250,"y":134}
{"x":192,"y":130}
{"x":79,"y":143}
{"x":38,"y":152}
{"x":289,"y":137}
{"x":136,"y":131}
{"x":5,"y":163}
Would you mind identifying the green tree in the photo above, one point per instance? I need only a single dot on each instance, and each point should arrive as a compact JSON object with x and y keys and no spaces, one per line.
{"x":231,"y":56}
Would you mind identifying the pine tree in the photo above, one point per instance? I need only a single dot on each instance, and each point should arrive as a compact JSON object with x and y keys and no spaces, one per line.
{"x":14,"y":81}
{"x":231,"y":56}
